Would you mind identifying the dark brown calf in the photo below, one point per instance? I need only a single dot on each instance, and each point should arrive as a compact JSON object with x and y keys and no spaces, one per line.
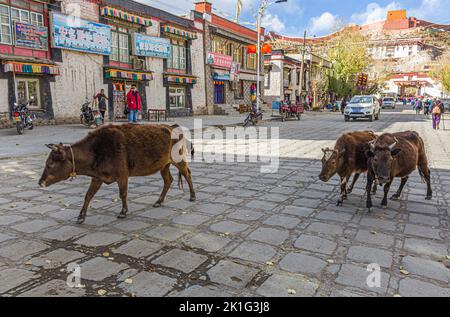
{"x":396,"y":155}
{"x":113,"y":154}
{"x":347,"y":157}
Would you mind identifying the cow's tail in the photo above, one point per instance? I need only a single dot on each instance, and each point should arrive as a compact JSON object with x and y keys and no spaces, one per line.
{"x":180,"y":181}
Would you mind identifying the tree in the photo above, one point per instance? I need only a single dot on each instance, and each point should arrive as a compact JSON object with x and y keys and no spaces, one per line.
{"x":350,"y":56}
{"x":441,"y":72}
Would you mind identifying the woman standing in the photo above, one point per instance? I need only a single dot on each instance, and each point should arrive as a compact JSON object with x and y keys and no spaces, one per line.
{"x":436,"y":112}
{"x":102,"y":98}
{"x":134,"y":104}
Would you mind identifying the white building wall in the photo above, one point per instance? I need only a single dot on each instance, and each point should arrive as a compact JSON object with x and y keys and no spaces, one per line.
{"x":198,"y":70}
{"x":276,"y":80}
{"x":156,"y":92}
{"x":4,"y":106}
{"x":81,"y":74}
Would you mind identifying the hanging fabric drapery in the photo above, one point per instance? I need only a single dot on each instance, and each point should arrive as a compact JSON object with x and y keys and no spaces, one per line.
{"x":173,"y":30}
{"x":119,"y":14}
{"x":131,"y":75}
{"x":30,"y":68}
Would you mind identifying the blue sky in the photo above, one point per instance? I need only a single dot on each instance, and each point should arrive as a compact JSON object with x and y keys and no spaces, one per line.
{"x":318,"y":17}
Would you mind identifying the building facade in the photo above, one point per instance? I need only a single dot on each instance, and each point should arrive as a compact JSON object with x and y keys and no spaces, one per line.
{"x":28,"y":71}
{"x":230,"y":70}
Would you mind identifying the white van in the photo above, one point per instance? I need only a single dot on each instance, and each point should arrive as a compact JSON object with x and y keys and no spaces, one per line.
{"x":363,"y":107}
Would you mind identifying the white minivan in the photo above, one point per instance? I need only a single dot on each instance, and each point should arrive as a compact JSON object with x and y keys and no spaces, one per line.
{"x":363,"y":107}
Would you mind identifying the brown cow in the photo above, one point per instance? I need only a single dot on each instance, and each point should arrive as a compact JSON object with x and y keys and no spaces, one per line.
{"x":112,"y":154}
{"x":347,"y":157}
{"x":396,"y":155}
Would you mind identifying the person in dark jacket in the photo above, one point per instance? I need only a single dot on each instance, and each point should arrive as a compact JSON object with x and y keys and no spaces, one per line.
{"x":134,"y":104}
{"x":102,"y":98}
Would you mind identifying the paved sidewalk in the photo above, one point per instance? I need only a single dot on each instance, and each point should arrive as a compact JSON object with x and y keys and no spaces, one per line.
{"x":248,"y":234}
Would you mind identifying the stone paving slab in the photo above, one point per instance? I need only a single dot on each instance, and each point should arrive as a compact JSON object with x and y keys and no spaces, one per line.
{"x":248,"y":233}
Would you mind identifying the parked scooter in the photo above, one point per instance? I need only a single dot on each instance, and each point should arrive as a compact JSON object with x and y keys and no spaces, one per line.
{"x":254,"y":116}
{"x":90,"y":117}
{"x":22,"y":117}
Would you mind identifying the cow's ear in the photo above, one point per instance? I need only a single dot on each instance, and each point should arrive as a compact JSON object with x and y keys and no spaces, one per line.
{"x":395,"y":152}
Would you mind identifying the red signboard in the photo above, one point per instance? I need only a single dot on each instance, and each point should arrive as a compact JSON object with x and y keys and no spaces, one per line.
{"x":220,"y":60}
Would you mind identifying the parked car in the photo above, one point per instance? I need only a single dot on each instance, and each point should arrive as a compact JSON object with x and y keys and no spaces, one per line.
{"x":446,"y":103}
{"x":367,"y":107}
{"x":388,"y":102}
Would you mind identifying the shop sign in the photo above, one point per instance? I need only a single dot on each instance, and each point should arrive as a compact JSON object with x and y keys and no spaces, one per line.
{"x":144,"y":45}
{"x":73,"y":33}
{"x":221,"y":77}
{"x":235,"y":71}
{"x":31,"y":36}
{"x":219,"y":60}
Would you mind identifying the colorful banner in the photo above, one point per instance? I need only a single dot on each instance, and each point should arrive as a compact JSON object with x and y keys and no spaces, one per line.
{"x":116,"y":13}
{"x":136,"y":76}
{"x":181,"y":80}
{"x":29,"y":68}
{"x":31,"y":36}
{"x":72,"y":33}
{"x":182,"y":33}
{"x":219,"y":60}
{"x":144,"y":45}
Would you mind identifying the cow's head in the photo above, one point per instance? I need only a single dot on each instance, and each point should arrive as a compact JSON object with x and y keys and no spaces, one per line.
{"x":58,"y":166}
{"x":331,"y":161}
{"x":381,"y":157}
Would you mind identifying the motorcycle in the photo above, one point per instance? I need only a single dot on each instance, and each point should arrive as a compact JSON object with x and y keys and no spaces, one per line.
{"x":288,"y":110}
{"x":254,"y":117}
{"x":22,"y":118}
{"x":90,"y":117}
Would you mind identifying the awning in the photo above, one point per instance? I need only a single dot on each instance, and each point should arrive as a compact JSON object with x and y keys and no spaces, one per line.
{"x":30,"y":68}
{"x":181,"y":79}
{"x":125,"y":74}
{"x":119,"y":14}
{"x":179,"y":32}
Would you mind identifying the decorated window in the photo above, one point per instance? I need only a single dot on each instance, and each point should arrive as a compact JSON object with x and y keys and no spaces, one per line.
{"x":177,"y":97}
{"x":5,"y":25}
{"x":28,"y":91}
{"x":120,"y":47}
{"x":179,"y":52}
{"x":252,"y":61}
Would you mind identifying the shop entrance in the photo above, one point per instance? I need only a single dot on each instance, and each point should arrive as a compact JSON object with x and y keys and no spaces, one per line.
{"x":219,"y":93}
{"x":120,"y":90}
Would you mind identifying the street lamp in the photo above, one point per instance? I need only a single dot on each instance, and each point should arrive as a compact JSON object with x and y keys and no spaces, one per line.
{"x":261,"y":11}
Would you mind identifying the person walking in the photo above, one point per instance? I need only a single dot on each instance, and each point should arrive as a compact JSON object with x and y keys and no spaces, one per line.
{"x":343,"y":105}
{"x":436,"y":112}
{"x":134,"y":104}
{"x":102,"y":98}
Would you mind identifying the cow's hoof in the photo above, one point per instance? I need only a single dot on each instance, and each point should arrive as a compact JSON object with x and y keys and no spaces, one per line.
{"x":384,"y":206}
{"x":429,"y":198}
{"x":192,"y":199}
{"x":80,"y":221}
{"x":395,"y":197}
{"x":157,"y":205}
{"x":369,"y":210}
{"x":122,"y":216}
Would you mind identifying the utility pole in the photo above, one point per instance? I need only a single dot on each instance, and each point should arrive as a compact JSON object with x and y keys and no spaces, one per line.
{"x":258,"y":72}
{"x":302,"y":70}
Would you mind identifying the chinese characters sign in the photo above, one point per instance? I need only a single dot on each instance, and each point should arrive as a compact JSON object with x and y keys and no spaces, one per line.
{"x":72,"y":33}
{"x":31,"y":36}
{"x":220,"y":60}
{"x":151,"y":46}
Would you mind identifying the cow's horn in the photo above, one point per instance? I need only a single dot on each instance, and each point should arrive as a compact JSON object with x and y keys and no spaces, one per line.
{"x":372,"y":144}
{"x":392,"y":146}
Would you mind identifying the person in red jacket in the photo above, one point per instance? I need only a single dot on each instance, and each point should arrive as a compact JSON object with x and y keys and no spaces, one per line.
{"x":134,"y":104}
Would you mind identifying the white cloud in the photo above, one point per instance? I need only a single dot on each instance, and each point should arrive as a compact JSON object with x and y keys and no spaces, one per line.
{"x":323,"y":24}
{"x":430,"y":8}
{"x":374,"y":13}
{"x":273,"y":23}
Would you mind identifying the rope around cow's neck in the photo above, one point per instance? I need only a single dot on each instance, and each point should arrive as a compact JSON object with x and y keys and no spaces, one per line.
{"x":74,"y":173}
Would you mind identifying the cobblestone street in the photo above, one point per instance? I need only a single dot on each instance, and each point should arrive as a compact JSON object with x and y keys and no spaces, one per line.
{"x":248,"y":233}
